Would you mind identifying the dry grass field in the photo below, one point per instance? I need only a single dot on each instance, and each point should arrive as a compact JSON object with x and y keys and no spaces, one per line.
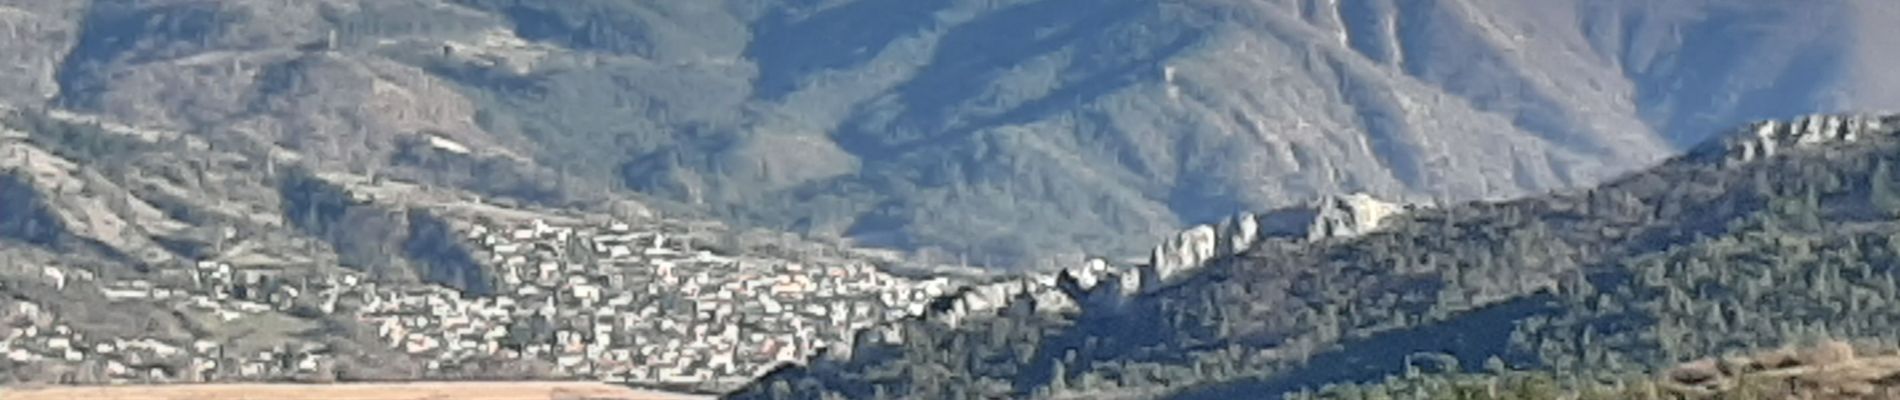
{"x":367,"y":391}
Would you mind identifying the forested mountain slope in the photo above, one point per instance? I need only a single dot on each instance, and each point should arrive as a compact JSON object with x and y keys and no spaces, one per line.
{"x":1007,"y":131}
{"x":1829,"y":369}
{"x":1729,"y":247}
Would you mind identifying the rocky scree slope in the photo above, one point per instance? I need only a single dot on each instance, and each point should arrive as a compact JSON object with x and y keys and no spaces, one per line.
{"x":1701,"y":255}
{"x":1000,"y":132}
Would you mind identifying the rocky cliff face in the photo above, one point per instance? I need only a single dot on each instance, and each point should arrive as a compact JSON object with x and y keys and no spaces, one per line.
{"x":1186,"y":251}
{"x":1328,"y":218}
{"x":1349,"y":216}
{"x":1095,"y":282}
{"x":1768,"y":138}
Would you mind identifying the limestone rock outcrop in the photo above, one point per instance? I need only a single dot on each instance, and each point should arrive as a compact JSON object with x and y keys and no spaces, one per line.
{"x":1331,"y":217}
{"x":1195,"y":246}
{"x":1350,"y":216}
{"x":1185,"y":251}
{"x":1061,"y":291}
{"x":1129,"y":283}
{"x":1095,"y":281}
{"x":1768,"y":138}
{"x":953,"y":308}
{"x":1237,"y":234}
{"x":1092,"y":273}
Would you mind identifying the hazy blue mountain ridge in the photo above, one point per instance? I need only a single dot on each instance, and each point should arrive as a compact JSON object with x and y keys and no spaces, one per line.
{"x":1001,"y":132}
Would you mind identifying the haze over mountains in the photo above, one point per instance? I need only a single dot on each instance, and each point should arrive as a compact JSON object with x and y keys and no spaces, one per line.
{"x":502,"y":189}
{"x":998,"y":132}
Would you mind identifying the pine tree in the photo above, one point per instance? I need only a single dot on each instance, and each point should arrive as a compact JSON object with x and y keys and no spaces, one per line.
{"x":1881,"y":191}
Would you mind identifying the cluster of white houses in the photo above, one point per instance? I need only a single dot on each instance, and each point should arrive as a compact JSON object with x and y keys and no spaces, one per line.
{"x":619,"y":303}
{"x":615,"y":302}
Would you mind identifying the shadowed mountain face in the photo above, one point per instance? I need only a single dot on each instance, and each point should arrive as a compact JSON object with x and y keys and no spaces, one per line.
{"x":1007,"y":131}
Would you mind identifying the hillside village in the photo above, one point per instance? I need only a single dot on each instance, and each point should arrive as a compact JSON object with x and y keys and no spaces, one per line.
{"x":617,"y":302}
{"x":607,"y":300}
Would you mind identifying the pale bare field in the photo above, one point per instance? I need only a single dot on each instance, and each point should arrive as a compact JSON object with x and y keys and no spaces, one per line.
{"x":350,"y":391}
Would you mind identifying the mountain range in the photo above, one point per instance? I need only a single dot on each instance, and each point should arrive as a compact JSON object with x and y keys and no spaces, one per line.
{"x":1003,"y":133}
{"x":1560,"y":198}
{"x":1781,"y":232}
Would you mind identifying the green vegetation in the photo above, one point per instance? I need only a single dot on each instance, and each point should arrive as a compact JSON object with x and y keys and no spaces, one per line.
{"x":1513,"y":385}
{"x":1827,"y":369}
{"x":402,"y":245}
{"x":27,"y":218}
{"x":1002,"y":132}
{"x":1683,"y":260}
{"x":1498,"y":385}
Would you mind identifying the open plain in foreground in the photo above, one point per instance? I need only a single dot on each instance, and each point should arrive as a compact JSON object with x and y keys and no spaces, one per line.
{"x":354,"y":391}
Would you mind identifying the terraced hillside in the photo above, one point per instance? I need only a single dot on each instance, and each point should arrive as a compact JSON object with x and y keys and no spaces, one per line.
{"x":1003,"y":133}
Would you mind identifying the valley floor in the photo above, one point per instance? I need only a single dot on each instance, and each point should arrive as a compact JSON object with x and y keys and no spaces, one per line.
{"x":360,"y":391}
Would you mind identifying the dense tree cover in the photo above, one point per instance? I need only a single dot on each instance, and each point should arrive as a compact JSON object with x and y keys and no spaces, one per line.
{"x":1690,"y":258}
{"x":26,"y":219}
{"x":28,"y":216}
{"x":1496,"y":385}
{"x":404,"y":245}
{"x":1520,"y":385}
